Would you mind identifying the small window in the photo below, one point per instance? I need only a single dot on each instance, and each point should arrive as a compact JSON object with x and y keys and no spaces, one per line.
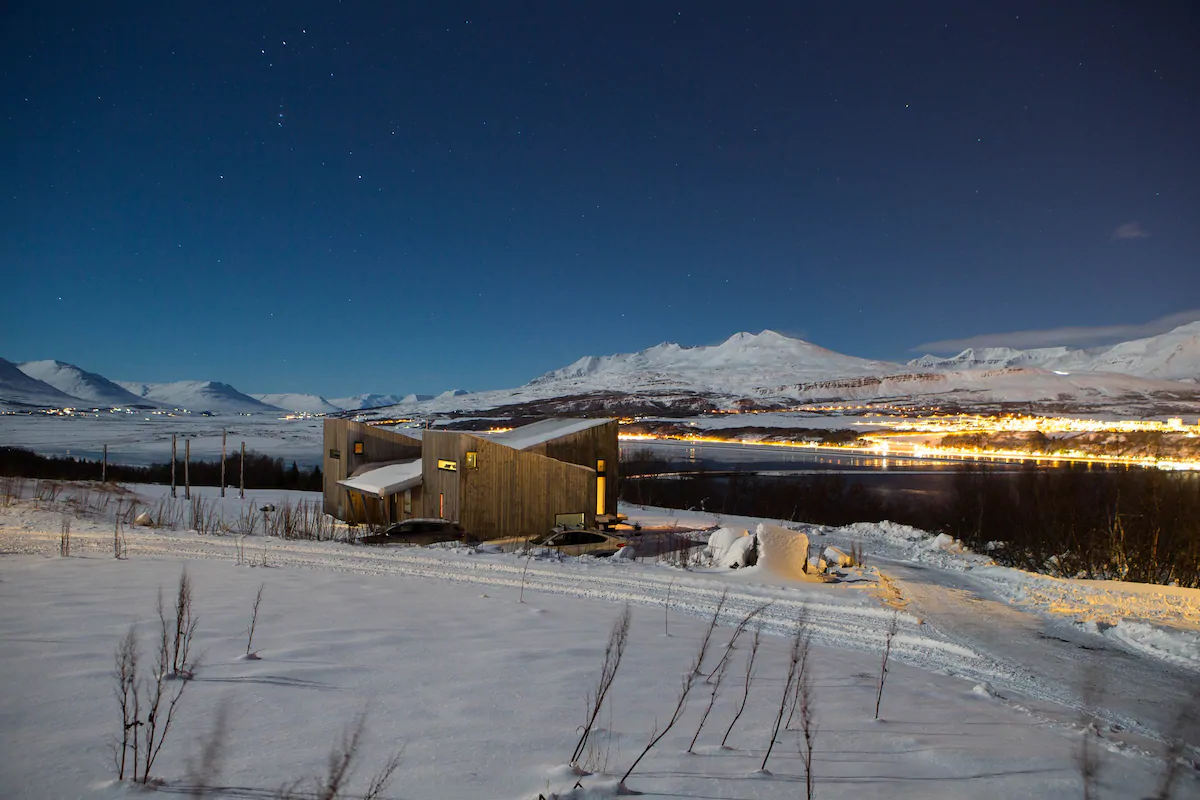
{"x":472,"y":459}
{"x":358,"y":448}
{"x":600,"y":466}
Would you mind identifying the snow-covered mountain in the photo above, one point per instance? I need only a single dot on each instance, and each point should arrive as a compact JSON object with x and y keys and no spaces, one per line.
{"x":305,"y":403}
{"x":19,"y":389}
{"x":992,"y":358}
{"x":770,"y":370}
{"x":88,"y":386}
{"x":764,"y":370}
{"x":198,"y":396}
{"x":741,"y":361}
{"x":363,"y":401}
{"x":1173,"y":356}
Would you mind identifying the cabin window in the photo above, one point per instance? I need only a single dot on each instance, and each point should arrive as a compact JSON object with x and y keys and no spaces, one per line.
{"x":472,"y":459}
{"x":600,"y":487}
{"x":358,"y":448}
{"x":600,"y":466}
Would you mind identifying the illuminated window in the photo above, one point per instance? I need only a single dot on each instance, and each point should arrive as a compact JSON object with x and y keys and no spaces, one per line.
{"x":358,"y":448}
{"x":600,"y":487}
{"x":600,"y":466}
{"x":472,"y":459}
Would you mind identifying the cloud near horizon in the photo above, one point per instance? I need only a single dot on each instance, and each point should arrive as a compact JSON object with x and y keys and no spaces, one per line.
{"x":1076,"y":337}
{"x":1130,"y":230}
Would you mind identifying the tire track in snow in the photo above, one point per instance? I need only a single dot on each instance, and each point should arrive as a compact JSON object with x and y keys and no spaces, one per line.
{"x":839,"y":625}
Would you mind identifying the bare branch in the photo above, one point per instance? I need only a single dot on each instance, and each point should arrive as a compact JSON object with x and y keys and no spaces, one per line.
{"x":749,"y":680}
{"x":254,"y":620}
{"x":887,"y":651}
{"x":608,"y":672}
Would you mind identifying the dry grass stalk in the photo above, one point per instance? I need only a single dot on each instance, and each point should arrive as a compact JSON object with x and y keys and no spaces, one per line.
{"x":893,"y":627}
{"x":746,"y":688}
{"x":617,"y":639}
{"x":799,"y":650}
{"x":185,"y":628}
{"x":254,"y":623}
{"x":688,"y":681}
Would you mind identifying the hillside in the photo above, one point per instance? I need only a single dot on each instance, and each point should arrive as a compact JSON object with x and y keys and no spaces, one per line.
{"x":770,"y":370}
{"x":18,"y":389}
{"x":80,"y":383}
{"x":198,"y":396}
{"x":304,"y":403}
{"x":1171,"y":356}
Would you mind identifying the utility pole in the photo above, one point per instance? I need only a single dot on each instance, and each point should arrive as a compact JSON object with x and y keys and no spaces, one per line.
{"x":104,"y":467}
{"x":242,"y":476}
{"x":187,"y":462}
{"x":173,"y":458}
{"x":222,"y":462}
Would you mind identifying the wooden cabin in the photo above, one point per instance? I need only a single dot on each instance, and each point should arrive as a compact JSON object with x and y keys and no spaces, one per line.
{"x":518,"y":483}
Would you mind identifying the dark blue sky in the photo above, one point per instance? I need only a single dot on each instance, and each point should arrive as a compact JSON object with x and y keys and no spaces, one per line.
{"x":381,"y":196}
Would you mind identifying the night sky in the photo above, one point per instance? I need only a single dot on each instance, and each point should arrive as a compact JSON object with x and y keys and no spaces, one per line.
{"x":344,"y":197}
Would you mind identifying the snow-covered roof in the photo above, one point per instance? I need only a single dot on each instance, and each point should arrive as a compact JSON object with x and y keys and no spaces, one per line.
{"x":386,"y":479}
{"x":540,"y":432}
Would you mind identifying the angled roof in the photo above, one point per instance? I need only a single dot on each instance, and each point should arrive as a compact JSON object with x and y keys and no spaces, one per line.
{"x":386,"y":479}
{"x":541,"y":432}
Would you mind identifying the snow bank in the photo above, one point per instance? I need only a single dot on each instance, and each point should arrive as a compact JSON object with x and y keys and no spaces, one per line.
{"x":783,"y":552}
{"x":837,"y":557}
{"x":721,"y":540}
{"x":731,"y":547}
{"x":1178,"y":647}
{"x":742,"y":553}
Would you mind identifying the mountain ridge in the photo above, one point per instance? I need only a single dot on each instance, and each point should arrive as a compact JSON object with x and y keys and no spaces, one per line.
{"x":1173,"y":356}
{"x":767,"y":368}
{"x":78,"y":382}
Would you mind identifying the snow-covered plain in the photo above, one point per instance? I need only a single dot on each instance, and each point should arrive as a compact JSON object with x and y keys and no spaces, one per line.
{"x":484,"y":693}
{"x":141,"y":438}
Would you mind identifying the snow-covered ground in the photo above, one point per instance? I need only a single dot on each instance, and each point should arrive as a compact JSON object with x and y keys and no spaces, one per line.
{"x":485,"y":694}
{"x":142,"y":439}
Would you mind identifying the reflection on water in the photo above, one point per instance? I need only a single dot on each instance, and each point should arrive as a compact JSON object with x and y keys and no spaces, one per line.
{"x":762,"y":458}
{"x":885,"y":475}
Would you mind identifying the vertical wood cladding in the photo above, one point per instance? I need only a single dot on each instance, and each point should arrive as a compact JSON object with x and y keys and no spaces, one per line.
{"x":508,"y":493}
{"x":587,"y":448}
{"x":378,"y":445}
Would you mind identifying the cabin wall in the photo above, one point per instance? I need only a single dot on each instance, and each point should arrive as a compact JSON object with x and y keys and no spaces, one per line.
{"x":588,"y":448}
{"x":508,"y":493}
{"x":378,"y":445}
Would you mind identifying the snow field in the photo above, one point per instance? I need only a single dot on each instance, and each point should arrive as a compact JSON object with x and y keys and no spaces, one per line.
{"x":483,"y":694}
{"x":359,"y":600}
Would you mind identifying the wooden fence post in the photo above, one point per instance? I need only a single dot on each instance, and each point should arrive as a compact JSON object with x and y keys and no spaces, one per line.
{"x":173,"y":459}
{"x":187,"y":462}
{"x":104,"y":467}
{"x":242,"y":476}
{"x":222,"y":462}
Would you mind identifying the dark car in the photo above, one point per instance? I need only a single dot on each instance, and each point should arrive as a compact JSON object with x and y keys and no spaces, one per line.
{"x":420,"y":531}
